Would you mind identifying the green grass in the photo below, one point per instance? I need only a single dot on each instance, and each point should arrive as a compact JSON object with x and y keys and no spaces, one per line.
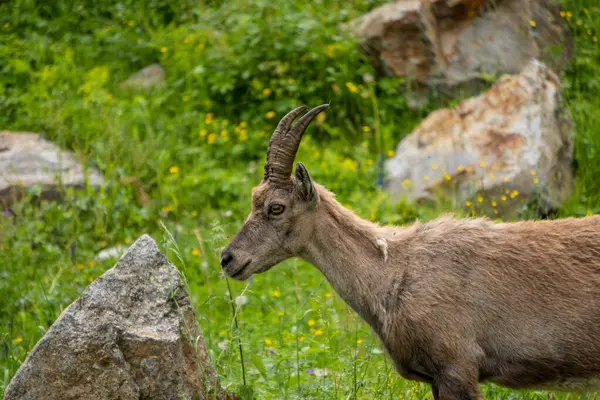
{"x":187,"y":155}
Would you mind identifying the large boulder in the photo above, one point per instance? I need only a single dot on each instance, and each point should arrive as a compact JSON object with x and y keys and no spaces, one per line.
{"x":131,"y":335}
{"x":27,"y":160}
{"x":455,"y":43}
{"x":497,"y":151}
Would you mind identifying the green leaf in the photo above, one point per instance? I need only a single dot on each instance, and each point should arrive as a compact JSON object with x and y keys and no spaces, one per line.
{"x":257,"y":361}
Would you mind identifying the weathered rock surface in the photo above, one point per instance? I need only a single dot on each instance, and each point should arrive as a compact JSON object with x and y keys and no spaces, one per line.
{"x":446,"y":43}
{"x":27,"y":160}
{"x":498,"y":150}
{"x":131,"y":335}
{"x":150,"y":76}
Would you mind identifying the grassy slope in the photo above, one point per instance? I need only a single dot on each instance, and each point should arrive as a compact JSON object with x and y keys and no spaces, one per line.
{"x":196,"y":149}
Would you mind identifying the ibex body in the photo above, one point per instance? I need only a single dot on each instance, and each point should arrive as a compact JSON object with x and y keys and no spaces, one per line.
{"x":455,"y":302}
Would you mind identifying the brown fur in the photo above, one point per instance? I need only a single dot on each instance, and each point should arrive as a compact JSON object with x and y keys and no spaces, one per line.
{"x":455,"y":302}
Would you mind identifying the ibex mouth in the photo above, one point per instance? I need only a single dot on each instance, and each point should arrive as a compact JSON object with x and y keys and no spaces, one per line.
{"x":239,"y":272}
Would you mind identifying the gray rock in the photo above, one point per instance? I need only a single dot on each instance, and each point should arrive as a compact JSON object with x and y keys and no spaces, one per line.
{"x":452,"y":44}
{"x":498,"y":150}
{"x":27,"y":160}
{"x":148,"y":77}
{"x":131,"y":335}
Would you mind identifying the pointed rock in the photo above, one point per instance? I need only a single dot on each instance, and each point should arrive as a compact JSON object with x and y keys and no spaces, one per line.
{"x":131,"y":335}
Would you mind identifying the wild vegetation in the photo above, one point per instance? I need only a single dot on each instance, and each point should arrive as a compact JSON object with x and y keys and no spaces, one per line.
{"x":179,"y":162}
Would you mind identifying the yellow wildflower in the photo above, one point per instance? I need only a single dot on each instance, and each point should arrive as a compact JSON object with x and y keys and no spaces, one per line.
{"x":447,"y":177}
{"x":406,"y":182}
{"x":514,"y":194}
{"x":589,"y":212}
{"x":281,"y":313}
{"x":366,"y":129}
{"x":266,"y":91}
{"x":174,"y":169}
{"x":434,"y":166}
{"x":311,"y":322}
{"x":328,"y":294}
{"x":167,"y":209}
{"x":195,"y":252}
{"x":563,"y":14}
{"x":164,"y":49}
{"x":359,"y":341}
{"x":203,"y":133}
{"x":208,"y":118}
{"x":469,"y":169}
{"x":92,"y":263}
{"x":79,"y":266}
{"x":536,"y":181}
{"x":270,"y":114}
{"x":468,"y":203}
{"x":194,"y":213}
{"x":243,"y":135}
{"x":503,"y":198}
{"x":351,"y":87}
{"x":532,"y":23}
{"x":127,"y":240}
{"x":426,"y":177}
{"x":391,"y":153}
{"x":223,"y":134}
{"x":301,"y":339}
{"x":268,"y":342}
{"x":276,"y":293}
{"x":460,"y":168}
{"x":17,"y":340}
{"x":532,"y":172}
{"x":494,"y":204}
{"x":480,"y":199}
{"x":318,"y":332}
{"x":369,"y":162}
{"x":506,"y":179}
{"x":211,"y":138}
{"x":243,"y":124}
{"x":482,"y":164}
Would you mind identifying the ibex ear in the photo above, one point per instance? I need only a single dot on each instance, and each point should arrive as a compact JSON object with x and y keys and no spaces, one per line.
{"x":304,"y":183}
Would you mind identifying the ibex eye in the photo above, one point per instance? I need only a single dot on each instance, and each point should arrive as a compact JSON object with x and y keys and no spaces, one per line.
{"x":276,"y":209}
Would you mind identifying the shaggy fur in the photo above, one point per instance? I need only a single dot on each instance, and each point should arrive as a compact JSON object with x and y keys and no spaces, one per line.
{"x":454,"y":302}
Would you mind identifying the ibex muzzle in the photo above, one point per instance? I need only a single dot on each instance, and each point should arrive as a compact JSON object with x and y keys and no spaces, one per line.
{"x":455,"y":302}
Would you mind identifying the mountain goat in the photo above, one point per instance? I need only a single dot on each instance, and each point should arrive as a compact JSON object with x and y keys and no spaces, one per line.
{"x":454,"y":302}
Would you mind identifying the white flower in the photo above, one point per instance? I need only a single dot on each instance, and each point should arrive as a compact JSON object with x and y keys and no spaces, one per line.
{"x":241,"y":300}
{"x":223,"y":345}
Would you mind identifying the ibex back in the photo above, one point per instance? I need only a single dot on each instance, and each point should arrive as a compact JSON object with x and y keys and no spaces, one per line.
{"x":455,"y":302}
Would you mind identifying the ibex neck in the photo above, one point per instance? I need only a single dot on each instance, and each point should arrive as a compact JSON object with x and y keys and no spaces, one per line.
{"x":351,"y":254}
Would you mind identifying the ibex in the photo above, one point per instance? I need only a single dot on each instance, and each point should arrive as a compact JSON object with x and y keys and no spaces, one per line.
{"x":455,"y":302}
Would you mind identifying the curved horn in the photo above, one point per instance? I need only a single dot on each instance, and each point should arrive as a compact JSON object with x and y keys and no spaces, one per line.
{"x":285,"y":142}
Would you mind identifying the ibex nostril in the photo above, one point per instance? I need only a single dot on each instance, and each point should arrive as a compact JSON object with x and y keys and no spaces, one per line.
{"x":226,"y":258}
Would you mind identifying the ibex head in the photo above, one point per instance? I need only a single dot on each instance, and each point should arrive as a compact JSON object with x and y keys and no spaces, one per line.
{"x":282,"y":218}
